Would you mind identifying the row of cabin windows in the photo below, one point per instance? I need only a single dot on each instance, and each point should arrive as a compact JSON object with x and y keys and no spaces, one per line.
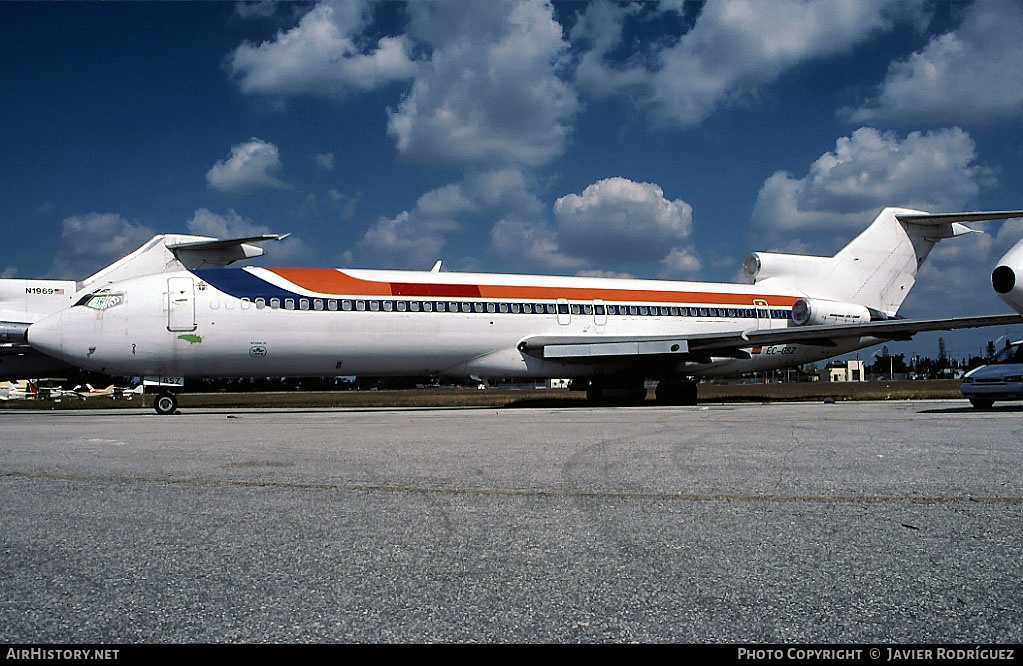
{"x":514,"y":308}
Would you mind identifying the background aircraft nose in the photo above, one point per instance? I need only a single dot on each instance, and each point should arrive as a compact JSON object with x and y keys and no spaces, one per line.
{"x":46,"y":335}
{"x":1007,"y":278}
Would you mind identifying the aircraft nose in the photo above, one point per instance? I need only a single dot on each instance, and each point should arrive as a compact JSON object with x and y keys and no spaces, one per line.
{"x":46,"y":335}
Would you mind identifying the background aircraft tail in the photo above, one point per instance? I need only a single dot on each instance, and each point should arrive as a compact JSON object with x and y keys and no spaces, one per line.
{"x":877,"y":268}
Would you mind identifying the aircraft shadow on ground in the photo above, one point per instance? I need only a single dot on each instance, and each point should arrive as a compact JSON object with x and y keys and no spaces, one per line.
{"x":1003,"y":409}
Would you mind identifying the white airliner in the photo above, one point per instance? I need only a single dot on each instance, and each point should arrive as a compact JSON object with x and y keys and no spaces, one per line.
{"x":1006,"y":278}
{"x":614,"y":333}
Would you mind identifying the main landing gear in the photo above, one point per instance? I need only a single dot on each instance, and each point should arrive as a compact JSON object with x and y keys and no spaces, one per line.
{"x":632,"y":392}
{"x":165,"y":403}
{"x":676,"y":392}
{"x":618,"y":393}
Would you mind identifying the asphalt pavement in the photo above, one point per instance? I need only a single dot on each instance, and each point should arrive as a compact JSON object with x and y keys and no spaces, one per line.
{"x":794,"y":522}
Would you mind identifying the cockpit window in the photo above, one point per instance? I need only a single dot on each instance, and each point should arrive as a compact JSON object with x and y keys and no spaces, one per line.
{"x":104,"y":301}
{"x":1011,"y":354}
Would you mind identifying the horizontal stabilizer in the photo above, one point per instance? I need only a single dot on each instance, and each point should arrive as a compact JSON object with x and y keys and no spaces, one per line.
{"x":949,"y":218}
{"x":222,"y":244}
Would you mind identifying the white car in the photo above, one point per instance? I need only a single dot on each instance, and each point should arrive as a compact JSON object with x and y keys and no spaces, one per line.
{"x":1000,"y":379}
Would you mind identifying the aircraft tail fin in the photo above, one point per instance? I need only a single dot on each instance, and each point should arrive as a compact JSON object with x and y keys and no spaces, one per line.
{"x":878,"y":267}
{"x":174,"y":252}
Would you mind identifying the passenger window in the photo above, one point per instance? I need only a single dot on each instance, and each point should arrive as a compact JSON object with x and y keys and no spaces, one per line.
{"x":289,"y":303}
{"x":374,"y":306}
{"x":346,"y":305}
{"x":388,"y":306}
{"x":401,"y":306}
{"x":303,"y":304}
{"x":260,"y":303}
{"x":515,"y":308}
{"x":275,"y":303}
{"x":360,"y":306}
{"x":318,"y":304}
{"x":477,"y":307}
{"x":332,"y":305}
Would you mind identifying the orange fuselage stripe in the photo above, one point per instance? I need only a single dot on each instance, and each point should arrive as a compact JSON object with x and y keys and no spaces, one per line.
{"x":328,"y":281}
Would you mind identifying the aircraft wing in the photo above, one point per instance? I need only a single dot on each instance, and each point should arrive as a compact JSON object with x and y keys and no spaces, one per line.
{"x":733,"y":343}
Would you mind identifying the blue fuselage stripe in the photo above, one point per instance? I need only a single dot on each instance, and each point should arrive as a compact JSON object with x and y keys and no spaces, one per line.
{"x":241,"y":284}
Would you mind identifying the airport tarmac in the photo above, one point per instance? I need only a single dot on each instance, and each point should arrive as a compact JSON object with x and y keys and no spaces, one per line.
{"x":795,"y":522}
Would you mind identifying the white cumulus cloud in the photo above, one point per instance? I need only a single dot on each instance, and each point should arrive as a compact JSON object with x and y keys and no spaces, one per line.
{"x":490,"y":89}
{"x":95,"y":240}
{"x":845,"y":188}
{"x":251,"y":166}
{"x":326,"y":54}
{"x":734,"y":48}
{"x":614,"y":222}
{"x":620,"y":219}
{"x":971,"y":74}
{"x":416,"y":237}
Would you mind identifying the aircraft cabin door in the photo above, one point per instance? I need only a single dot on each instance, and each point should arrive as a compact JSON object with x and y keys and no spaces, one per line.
{"x":763,"y":313}
{"x":180,"y":304}
{"x":564,"y":312}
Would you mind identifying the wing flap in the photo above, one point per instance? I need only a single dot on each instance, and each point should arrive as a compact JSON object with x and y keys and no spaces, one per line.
{"x":617,"y":349}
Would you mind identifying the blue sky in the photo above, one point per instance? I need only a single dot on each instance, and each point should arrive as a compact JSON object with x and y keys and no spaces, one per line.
{"x":652,"y":140}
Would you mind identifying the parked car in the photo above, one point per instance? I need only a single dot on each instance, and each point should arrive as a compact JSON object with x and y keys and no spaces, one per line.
{"x":1000,"y":379}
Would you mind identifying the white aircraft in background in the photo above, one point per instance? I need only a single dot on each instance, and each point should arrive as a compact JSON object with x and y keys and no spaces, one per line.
{"x":111,"y":391}
{"x":612,"y":333}
{"x":1006,"y":278}
{"x":21,"y":390}
{"x":24,"y":390}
